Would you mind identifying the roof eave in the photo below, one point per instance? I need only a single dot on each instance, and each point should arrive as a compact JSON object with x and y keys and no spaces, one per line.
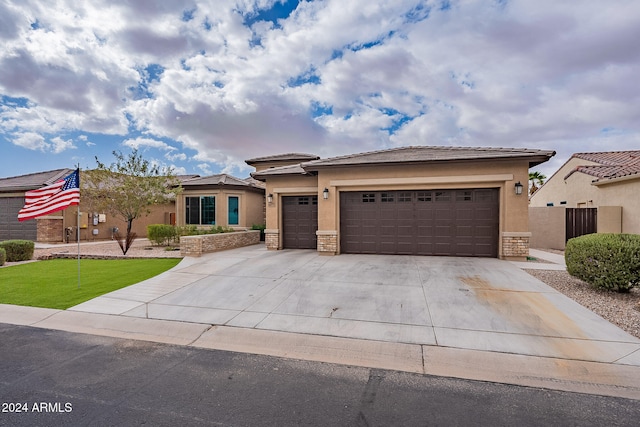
{"x":534,"y":160}
{"x":615,"y":180}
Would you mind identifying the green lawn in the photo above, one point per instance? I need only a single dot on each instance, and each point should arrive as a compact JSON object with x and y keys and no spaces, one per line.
{"x":54,"y":283}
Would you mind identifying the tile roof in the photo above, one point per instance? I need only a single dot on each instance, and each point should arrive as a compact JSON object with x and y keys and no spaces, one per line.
{"x":431,"y":154}
{"x":611,"y":164}
{"x":33,"y":180}
{"x":219,"y":179}
{"x":294,"y":157}
{"x":413,"y":154}
{"x":282,"y":170}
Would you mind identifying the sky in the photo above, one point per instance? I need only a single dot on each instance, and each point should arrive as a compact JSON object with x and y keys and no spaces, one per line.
{"x":201,"y":86}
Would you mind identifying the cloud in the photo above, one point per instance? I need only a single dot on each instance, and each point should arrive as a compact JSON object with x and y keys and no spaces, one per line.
{"x":205,"y":168}
{"x":60,"y":145}
{"x":147,"y":142}
{"x":31,"y":141}
{"x":236,"y":79}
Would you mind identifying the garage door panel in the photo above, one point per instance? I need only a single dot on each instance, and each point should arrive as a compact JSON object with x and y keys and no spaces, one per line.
{"x":434,"y":222}
{"x":300,"y":222}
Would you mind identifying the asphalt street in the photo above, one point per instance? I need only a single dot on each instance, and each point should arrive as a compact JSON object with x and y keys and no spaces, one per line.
{"x":62,"y":378}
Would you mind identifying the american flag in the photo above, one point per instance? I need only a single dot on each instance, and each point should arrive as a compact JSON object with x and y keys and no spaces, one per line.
{"x":52,"y":198}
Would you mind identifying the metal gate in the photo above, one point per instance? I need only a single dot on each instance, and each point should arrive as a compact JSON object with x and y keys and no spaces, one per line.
{"x":581,"y":221}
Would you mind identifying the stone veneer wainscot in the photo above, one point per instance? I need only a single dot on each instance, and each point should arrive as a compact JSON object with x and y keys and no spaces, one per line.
{"x":197,"y":245}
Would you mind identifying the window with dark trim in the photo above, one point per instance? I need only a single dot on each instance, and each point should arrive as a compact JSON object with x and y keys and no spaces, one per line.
{"x":368,"y":198}
{"x":200,"y":210}
{"x":387,"y":197}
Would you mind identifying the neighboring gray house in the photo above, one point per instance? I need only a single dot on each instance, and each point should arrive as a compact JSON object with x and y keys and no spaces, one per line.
{"x":12,"y":192}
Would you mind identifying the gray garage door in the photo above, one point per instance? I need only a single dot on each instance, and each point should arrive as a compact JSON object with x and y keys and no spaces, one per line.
{"x":10,"y":227}
{"x":435,"y":222}
{"x":299,"y":222}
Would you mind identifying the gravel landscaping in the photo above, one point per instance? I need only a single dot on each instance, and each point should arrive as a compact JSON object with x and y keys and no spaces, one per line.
{"x":619,"y":309}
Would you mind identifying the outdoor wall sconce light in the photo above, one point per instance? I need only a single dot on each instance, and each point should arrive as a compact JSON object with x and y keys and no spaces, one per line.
{"x":325,"y":194}
{"x":518,"y":188}
{"x":270,"y":198}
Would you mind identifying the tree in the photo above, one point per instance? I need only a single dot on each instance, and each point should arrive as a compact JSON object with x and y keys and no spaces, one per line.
{"x":127,"y":189}
{"x":536,"y":180}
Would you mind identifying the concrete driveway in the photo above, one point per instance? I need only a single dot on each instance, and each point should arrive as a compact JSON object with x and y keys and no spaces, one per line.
{"x":465,"y":303}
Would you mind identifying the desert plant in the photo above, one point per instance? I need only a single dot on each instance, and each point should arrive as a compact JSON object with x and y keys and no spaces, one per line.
{"x":161,"y":234}
{"x":606,"y":261}
{"x":3,"y":256}
{"x":18,"y":250}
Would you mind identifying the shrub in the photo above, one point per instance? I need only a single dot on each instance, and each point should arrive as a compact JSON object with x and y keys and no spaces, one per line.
{"x":606,"y":261}
{"x":161,"y":234}
{"x":260,"y":227}
{"x":217,"y":229}
{"x":18,"y":250}
{"x":3,"y":256}
{"x":188,"y":230}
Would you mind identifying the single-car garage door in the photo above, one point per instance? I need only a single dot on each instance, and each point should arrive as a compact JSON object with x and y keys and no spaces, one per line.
{"x":434,"y":222}
{"x":299,"y":222}
{"x":10,"y":227}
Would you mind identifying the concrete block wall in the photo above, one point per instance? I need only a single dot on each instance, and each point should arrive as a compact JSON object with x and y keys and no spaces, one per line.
{"x":197,"y":245}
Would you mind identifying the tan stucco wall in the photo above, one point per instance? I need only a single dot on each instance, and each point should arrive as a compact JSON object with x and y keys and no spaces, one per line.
{"x":624,"y":194}
{"x":609,"y":219}
{"x":251,"y":206}
{"x":495,"y":174}
{"x":159,"y":215}
{"x":548,"y":227}
{"x":579,"y":191}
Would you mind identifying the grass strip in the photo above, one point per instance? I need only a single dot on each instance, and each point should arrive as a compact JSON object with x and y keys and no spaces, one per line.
{"x":54,"y":283}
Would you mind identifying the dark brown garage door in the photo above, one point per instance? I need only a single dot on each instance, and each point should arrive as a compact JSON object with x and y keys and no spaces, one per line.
{"x":10,"y":227}
{"x":299,"y":222}
{"x":435,"y":222}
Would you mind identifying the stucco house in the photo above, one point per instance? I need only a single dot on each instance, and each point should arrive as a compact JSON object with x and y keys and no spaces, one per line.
{"x":457,"y":201}
{"x":221,"y":200}
{"x":205,"y":201}
{"x":608,"y":181}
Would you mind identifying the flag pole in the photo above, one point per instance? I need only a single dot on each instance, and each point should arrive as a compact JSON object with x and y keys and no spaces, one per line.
{"x":78,"y":229}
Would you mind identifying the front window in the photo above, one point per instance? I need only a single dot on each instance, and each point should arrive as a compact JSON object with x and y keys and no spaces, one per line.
{"x":200,"y":210}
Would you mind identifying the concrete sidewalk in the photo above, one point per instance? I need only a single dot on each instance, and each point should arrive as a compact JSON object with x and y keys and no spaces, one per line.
{"x":461,"y":317}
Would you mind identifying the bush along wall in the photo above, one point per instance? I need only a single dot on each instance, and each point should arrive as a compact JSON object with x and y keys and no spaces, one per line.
{"x":3,"y":256}
{"x":162,"y":234}
{"x":18,"y":250}
{"x":606,"y":261}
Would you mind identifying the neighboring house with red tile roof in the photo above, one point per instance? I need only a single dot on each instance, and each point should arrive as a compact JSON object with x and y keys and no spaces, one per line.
{"x":596,"y":180}
{"x":421,"y":200}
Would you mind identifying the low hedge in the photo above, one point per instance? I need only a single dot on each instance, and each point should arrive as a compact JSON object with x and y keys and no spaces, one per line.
{"x":3,"y":256}
{"x":18,"y":250}
{"x":166,"y":234}
{"x":161,"y":233}
{"x":606,"y":261}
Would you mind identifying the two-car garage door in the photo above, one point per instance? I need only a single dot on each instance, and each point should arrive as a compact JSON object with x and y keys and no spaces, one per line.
{"x":435,"y":222}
